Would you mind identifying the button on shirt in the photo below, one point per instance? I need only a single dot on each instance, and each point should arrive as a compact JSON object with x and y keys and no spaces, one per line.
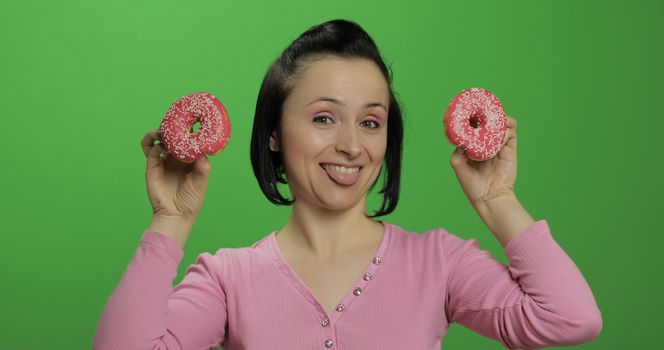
{"x":413,"y":289}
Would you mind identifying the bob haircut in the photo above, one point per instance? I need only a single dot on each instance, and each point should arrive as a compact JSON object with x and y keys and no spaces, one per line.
{"x":341,"y":38}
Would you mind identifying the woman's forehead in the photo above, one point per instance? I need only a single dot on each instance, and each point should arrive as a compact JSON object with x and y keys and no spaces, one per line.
{"x":341,"y":81}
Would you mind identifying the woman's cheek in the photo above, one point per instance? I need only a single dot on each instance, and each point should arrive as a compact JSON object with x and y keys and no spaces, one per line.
{"x":379,"y":146}
{"x":319,"y":138}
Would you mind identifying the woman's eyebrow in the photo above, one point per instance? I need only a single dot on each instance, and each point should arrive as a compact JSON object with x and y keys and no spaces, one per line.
{"x":335,"y":101}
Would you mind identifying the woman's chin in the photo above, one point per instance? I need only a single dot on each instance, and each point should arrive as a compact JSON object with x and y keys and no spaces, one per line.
{"x":338,"y":201}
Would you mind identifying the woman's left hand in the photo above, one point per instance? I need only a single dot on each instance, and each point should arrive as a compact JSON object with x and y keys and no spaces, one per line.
{"x":483,"y":181}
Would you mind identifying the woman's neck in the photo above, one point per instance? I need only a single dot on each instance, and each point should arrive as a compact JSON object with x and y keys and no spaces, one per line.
{"x":326,"y":235}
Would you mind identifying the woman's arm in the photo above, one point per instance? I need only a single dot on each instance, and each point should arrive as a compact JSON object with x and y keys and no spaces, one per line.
{"x":540,"y":299}
{"x":146,"y":312}
{"x":505,"y":217}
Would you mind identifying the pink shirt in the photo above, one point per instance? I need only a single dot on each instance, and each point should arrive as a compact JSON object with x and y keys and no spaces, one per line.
{"x":415,"y":287}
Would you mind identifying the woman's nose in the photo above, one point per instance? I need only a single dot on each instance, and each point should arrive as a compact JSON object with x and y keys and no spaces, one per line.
{"x":348,"y":142}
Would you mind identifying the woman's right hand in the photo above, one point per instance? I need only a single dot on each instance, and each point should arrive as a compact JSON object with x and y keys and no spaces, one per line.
{"x":176,"y":189}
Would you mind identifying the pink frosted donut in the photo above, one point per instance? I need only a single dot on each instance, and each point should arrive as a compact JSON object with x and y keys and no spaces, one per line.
{"x":475,"y":121}
{"x":176,"y":128}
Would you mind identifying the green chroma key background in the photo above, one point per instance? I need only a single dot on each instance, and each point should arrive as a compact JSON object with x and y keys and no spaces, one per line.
{"x":83,"y":81}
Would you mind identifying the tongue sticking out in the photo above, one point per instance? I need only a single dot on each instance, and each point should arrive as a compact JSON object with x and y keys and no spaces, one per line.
{"x":341,"y":178}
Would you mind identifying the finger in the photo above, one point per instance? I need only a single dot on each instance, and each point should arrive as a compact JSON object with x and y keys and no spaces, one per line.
{"x":156,"y":157}
{"x":508,"y":150}
{"x":201,"y":173}
{"x":458,"y":157}
{"x":511,"y":141}
{"x":202,"y":167}
{"x":507,"y":136}
{"x":510,"y":134}
{"x":148,"y":141}
{"x":511,"y":122}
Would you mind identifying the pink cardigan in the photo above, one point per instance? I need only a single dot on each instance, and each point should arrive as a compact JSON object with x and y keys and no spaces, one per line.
{"x":415,"y":287}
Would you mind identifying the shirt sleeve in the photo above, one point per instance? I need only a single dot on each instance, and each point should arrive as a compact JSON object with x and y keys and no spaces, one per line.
{"x":146,"y":312}
{"x":541,"y":299}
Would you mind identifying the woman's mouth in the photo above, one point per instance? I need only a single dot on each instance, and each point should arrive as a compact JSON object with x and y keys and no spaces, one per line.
{"x":341,"y":175}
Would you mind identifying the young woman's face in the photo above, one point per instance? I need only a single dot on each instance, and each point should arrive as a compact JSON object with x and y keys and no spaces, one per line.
{"x":334,"y":132}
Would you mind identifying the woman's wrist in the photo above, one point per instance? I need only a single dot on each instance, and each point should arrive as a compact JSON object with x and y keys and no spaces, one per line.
{"x":505,"y":217}
{"x":175,"y":227}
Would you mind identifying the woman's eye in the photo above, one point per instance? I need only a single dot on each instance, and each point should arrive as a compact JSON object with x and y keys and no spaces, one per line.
{"x":372,"y":124}
{"x":322,"y":119}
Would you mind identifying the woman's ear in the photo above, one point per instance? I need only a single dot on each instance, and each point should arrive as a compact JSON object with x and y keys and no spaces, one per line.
{"x":274,"y":143}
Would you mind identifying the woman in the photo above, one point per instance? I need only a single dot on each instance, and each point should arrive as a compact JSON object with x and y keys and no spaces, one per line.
{"x":327,"y":122}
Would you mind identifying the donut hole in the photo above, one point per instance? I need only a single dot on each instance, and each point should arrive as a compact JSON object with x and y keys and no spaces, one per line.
{"x":477,"y":120}
{"x":195,"y":127}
